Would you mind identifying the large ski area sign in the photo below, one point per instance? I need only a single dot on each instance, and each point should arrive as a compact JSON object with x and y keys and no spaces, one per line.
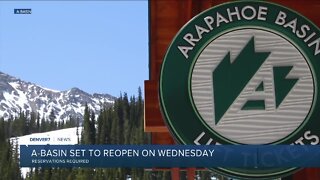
{"x":244,"y":72}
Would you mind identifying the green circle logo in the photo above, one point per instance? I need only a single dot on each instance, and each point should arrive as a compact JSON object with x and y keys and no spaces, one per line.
{"x":244,"y":72}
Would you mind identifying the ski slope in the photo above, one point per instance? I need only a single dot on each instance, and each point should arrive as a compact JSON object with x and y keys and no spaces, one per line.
{"x":69,"y":136}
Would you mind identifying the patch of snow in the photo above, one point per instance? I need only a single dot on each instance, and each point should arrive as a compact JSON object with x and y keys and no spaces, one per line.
{"x":22,"y":97}
{"x":59,"y":137}
{"x":47,"y":89}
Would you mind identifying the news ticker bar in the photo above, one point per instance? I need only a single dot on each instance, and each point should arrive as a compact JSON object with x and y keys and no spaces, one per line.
{"x":152,"y":156}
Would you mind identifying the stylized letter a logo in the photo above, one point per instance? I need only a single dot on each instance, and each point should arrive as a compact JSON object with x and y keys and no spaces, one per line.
{"x":229,"y":79}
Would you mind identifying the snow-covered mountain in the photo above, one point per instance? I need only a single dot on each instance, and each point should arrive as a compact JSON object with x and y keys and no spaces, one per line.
{"x":16,"y":95}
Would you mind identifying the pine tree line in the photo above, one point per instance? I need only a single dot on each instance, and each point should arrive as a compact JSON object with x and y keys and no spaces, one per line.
{"x":121,"y":123}
{"x":21,"y":125}
{"x":26,"y":124}
{"x":9,"y":162}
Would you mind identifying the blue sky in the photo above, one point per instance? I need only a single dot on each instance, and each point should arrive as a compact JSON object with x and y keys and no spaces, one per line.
{"x":99,"y":47}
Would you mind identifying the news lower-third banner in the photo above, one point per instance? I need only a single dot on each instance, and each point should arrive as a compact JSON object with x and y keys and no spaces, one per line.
{"x":165,"y":156}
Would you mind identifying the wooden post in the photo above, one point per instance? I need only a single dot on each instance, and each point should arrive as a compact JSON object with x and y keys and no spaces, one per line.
{"x":191,"y":173}
{"x":175,"y":173}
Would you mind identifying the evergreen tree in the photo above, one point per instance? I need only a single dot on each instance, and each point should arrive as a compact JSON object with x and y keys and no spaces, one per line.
{"x":2,"y":131}
{"x":19,"y":125}
{"x":9,"y":127}
{"x":43,"y":125}
{"x":77,"y":131}
{"x":101,"y":131}
{"x":52,"y":118}
{"x":86,"y":133}
{"x":93,"y":128}
{"x":115,"y":130}
{"x":120,"y":113}
{"x":32,"y":124}
{"x":108,"y":124}
{"x":38,"y":122}
{"x":71,"y":122}
{"x":14,"y":163}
